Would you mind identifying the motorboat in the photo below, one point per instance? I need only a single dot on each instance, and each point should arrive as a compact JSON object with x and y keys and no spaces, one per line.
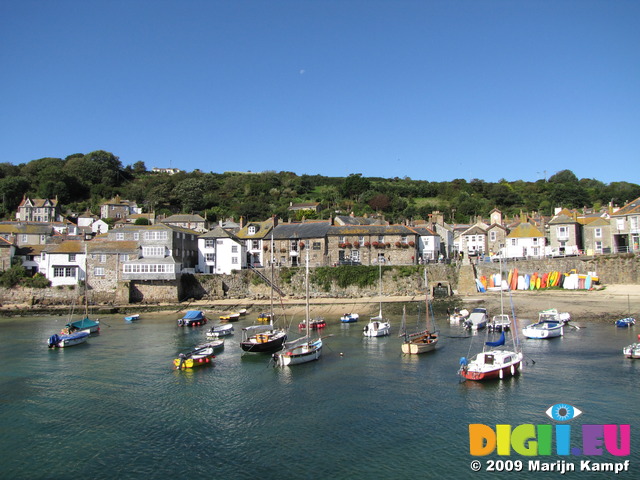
{"x":193,"y":318}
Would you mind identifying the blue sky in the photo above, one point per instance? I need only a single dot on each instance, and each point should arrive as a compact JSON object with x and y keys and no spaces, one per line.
{"x":432,"y":90}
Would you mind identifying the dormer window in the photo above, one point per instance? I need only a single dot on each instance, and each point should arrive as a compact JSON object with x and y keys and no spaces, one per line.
{"x":252,"y":230}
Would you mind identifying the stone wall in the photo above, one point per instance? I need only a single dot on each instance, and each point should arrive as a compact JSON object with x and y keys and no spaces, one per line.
{"x":618,"y":269}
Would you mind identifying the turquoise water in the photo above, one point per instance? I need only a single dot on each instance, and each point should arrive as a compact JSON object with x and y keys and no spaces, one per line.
{"x":115,"y":408}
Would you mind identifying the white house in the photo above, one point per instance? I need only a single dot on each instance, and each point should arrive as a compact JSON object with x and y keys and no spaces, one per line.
{"x":220,"y":252}
{"x":63,"y":263}
{"x":525,"y":240}
{"x":428,"y":244}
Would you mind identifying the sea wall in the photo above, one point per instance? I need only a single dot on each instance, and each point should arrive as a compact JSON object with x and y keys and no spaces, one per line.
{"x":397,"y":281}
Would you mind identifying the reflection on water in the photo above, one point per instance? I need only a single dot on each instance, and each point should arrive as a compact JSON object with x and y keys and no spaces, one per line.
{"x":119,"y":400}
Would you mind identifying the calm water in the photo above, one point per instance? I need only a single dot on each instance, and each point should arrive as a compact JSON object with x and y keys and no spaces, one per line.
{"x":115,"y":408}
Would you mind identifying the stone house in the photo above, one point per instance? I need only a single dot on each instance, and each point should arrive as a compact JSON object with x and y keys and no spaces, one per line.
{"x":496,"y":238}
{"x":7,"y":252}
{"x":220,"y":252}
{"x":190,"y":222}
{"x":104,"y":267}
{"x":371,"y":244}
{"x":565,"y":232}
{"x":292,"y":242}
{"x":22,"y":233}
{"x":473,"y":240}
{"x":39,"y":210}
{"x":626,"y":227}
{"x":596,"y":236}
{"x":118,"y":208}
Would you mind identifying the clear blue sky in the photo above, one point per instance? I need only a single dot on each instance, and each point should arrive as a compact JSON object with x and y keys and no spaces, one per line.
{"x":432,"y":90}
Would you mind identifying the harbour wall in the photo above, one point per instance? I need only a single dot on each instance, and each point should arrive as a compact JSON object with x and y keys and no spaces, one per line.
{"x":458,"y":278}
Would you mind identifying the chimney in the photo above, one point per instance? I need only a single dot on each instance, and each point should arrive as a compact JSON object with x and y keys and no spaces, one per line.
{"x":242,"y":221}
{"x":274,"y":221}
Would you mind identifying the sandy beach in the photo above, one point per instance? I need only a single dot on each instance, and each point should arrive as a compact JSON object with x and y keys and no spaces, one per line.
{"x":604,"y":303}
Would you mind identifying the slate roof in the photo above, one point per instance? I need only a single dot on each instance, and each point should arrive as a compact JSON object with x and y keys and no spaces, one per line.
{"x":286,"y":231}
{"x":631,"y":208}
{"x":370,"y":230}
{"x":525,"y":230}
{"x":217,"y":232}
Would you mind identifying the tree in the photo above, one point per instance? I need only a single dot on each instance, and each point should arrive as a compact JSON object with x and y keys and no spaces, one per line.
{"x":355,"y":185}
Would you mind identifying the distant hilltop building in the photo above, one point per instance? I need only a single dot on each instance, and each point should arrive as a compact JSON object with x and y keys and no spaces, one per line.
{"x":170,"y":171}
{"x":39,"y":210}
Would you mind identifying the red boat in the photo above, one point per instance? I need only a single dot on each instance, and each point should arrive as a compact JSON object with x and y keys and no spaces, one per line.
{"x":314,"y":324}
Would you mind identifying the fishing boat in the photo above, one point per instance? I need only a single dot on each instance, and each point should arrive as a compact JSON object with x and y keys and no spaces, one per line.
{"x":499,"y":323}
{"x":198,"y":357}
{"x":132,"y":318}
{"x":625,"y":322}
{"x":550,"y":324}
{"x":62,"y":340}
{"x":264,"y":317}
{"x":216,"y":345}
{"x":633,"y":350}
{"x":423,"y":341}
{"x":378,"y":326}
{"x":458,"y":315}
{"x":305,"y":349}
{"x":192,"y":318}
{"x":218,"y":331}
{"x":313,"y":324}
{"x":264,"y":338}
{"x":477,"y":319}
{"x":349,"y":317}
{"x":495,"y":361}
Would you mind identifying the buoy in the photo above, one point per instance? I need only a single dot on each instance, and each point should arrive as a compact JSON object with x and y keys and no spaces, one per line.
{"x":512,"y":370}
{"x":501,"y":374}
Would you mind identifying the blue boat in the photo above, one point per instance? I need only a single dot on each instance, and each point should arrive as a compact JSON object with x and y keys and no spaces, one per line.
{"x":131,"y":318}
{"x":61,"y":340}
{"x":192,"y":318}
{"x":84,"y":325}
{"x":349,"y":317}
{"x":625,"y":322}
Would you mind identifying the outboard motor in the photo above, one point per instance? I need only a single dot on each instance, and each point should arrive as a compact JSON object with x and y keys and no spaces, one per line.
{"x":53,"y":340}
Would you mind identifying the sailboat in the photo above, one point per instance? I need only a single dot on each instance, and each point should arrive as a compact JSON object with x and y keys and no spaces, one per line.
{"x":264,"y":338}
{"x":86,"y":324}
{"x":305,"y":349}
{"x":495,"y":360}
{"x":425,"y":340}
{"x":378,"y":326}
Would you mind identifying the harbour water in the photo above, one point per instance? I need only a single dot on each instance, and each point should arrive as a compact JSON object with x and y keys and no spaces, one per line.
{"x":115,"y":408}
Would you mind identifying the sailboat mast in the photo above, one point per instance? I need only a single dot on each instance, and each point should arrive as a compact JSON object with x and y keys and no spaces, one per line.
{"x":272,"y":258}
{"x":380,"y":286}
{"x":307,"y":293}
{"x":426,"y":294}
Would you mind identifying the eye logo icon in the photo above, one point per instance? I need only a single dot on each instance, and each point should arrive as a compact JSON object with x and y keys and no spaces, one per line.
{"x":563,"y":412}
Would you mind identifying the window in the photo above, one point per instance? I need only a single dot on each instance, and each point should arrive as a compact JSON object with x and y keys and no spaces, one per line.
{"x":563,"y":232}
{"x":316,"y":246}
{"x":153,"y":251}
{"x":136,"y":236}
{"x":103,"y":258}
{"x":597,"y":233}
{"x":25,"y":238}
{"x":493,"y":236}
{"x":234,"y":260}
{"x":145,"y":268}
{"x":219,"y":242}
{"x":252,"y":230}
{"x":514,"y":242}
{"x":72,"y":257}
{"x":98,"y":271}
{"x":210,"y":257}
{"x":620,"y":223}
{"x":598,"y":247}
{"x":633,"y":223}
{"x":234,"y":248}
{"x":124,"y":257}
{"x":154,"y":235}
{"x":403,"y":239}
{"x":119,"y":236}
{"x":380,"y":238}
{"x":342,"y":239}
{"x":64,"y":272}
{"x":535,"y":241}
{"x":209,"y":243}
{"x":255,"y":244}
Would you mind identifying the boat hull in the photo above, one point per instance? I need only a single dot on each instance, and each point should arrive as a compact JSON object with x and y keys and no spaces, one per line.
{"x":508,"y":364}
{"x":536,"y":331}
{"x":632,"y":351}
{"x":415,"y":347}
{"x":300,"y":354}
{"x":377,"y":329}
{"x":349,"y":318}
{"x":220,"y":331}
{"x":194,"y":362}
{"x":69,"y":340}
{"x":264,"y":344}
{"x":193,"y":318}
